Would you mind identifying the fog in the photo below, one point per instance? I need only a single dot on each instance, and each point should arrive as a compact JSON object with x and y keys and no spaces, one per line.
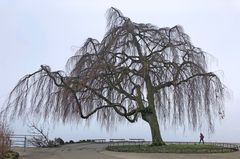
{"x":33,"y":33}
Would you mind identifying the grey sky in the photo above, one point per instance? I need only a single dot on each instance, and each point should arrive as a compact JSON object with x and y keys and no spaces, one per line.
{"x":49,"y":31}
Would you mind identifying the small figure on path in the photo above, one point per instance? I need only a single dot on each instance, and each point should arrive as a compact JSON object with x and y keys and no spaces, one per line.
{"x":201,"y":138}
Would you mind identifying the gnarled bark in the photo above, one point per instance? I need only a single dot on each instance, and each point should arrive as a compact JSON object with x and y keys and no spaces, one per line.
{"x":151,"y":119}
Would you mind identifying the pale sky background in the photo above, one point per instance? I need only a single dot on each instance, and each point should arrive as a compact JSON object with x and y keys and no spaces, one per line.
{"x":35,"y":32}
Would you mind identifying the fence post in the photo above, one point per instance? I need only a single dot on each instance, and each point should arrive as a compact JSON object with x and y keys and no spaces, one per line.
{"x":25,"y":143}
{"x":2,"y":144}
{"x":10,"y":143}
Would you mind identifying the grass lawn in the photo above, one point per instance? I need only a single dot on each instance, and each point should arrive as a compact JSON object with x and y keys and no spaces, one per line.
{"x":171,"y":148}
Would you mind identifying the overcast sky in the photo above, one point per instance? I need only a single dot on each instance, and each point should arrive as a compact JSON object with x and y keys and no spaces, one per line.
{"x":49,"y":32}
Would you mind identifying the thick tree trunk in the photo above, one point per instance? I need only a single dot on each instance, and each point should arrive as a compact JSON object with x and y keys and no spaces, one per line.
{"x":151,"y":119}
{"x":149,"y":113}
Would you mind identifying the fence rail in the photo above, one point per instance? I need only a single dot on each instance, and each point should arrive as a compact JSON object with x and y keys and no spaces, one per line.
{"x":20,"y":140}
{"x":223,"y":144}
{"x":24,"y":141}
{"x":99,"y":140}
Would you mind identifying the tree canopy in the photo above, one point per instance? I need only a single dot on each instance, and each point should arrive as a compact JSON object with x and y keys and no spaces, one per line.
{"x":136,"y":71}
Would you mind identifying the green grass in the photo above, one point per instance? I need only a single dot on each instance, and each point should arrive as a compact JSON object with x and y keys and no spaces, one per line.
{"x":172,"y":148}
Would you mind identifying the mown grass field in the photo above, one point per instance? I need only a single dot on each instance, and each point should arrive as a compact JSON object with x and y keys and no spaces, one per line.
{"x":171,"y":148}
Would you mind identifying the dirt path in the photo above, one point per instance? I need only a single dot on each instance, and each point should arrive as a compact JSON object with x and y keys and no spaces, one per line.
{"x":96,"y":151}
{"x":72,"y":151}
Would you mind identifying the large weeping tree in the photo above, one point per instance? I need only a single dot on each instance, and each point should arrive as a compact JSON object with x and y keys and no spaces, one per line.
{"x":137,"y":71}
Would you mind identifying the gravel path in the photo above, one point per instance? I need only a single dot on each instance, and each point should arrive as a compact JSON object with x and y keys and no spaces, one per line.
{"x":96,"y":151}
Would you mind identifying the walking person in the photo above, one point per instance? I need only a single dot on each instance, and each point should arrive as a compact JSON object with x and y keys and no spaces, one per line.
{"x":201,"y":138}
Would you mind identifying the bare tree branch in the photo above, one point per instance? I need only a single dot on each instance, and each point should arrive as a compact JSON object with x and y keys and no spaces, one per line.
{"x":136,"y":70}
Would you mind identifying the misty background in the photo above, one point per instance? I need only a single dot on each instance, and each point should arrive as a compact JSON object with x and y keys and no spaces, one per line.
{"x":48,"y":32}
